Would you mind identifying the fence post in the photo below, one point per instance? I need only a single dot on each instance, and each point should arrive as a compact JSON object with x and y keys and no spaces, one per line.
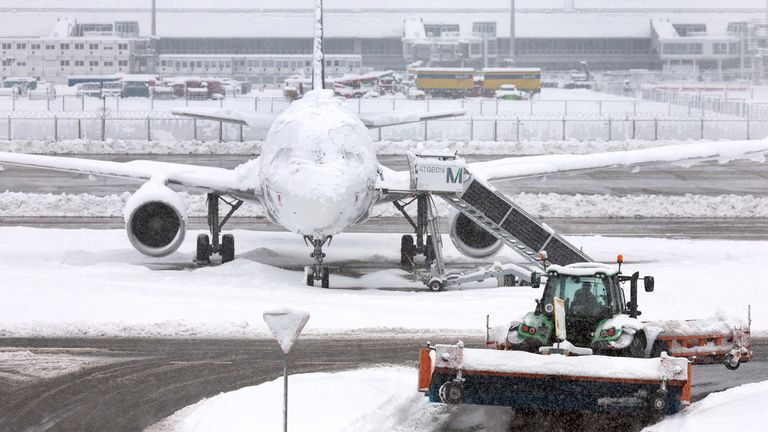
{"x":117,"y":103}
{"x":152,"y":101}
{"x":359,"y":105}
{"x":10,"y":135}
{"x":496,"y":129}
{"x":747,"y":128}
{"x":241,"y":134}
{"x":79,"y":128}
{"x":103,"y":127}
{"x":194,"y":129}
{"x":55,"y":128}
{"x":609,"y":128}
{"x":517,"y":129}
{"x":426,"y":129}
{"x":63,"y":106}
{"x":655,"y":129}
{"x":82,"y":102}
{"x":634,"y":126}
{"x":563,"y":128}
{"x":149,"y":128}
{"x":702,"y":128}
{"x":13,"y":101}
{"x":221,"y":131}
{"x":255,"y":103}
{"x":379,"y":134}
{"x":271,"y":104}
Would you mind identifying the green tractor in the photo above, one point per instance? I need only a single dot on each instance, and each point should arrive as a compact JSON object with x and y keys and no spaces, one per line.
{"x":597,"y":315}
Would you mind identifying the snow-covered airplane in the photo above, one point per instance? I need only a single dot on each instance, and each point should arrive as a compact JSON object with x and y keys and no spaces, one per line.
{"x":318,"y":175}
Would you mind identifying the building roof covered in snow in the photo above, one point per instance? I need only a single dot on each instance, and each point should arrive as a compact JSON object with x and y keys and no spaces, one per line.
{"x":381,"y":18}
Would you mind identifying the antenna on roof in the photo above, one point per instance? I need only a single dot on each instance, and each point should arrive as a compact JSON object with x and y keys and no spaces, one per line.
{"x":318,"y":71}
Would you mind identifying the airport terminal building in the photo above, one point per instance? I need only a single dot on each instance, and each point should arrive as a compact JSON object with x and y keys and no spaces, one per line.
{"x":266,"y":41}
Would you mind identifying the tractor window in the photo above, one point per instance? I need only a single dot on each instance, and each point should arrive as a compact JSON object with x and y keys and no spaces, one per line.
{"x":583,"y":295}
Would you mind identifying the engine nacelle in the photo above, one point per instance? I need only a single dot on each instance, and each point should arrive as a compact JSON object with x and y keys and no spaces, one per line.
{"x":155,"y":219}
{"x":472,"y":239}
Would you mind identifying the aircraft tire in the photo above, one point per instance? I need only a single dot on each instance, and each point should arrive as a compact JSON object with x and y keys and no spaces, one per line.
{"x":202,"y":253}
{"x":227,"y":251}
{"x":325,"y":278}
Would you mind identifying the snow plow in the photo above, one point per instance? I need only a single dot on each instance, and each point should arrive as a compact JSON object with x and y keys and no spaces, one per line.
{"x":651,"y":388}
{"x":583,"y":349}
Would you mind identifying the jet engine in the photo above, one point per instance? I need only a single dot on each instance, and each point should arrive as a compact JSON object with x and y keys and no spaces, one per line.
{"x":155,"y":219}
{"x":472,"y":239}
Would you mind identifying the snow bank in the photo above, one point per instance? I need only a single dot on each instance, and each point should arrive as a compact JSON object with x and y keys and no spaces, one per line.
{"x":738,"y":408}
{"x":377,"y":399}
{"x":17,"y":204}
{"x":139,"y":147}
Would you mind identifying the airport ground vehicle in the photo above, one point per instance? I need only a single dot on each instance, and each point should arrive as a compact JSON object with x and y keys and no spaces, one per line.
{"x":22,"y":84}
{"x":644,"y":368}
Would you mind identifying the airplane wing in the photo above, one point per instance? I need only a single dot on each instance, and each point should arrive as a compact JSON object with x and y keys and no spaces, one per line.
{"x":396,"y":184}
{"x":374,"y":120}
{"x":264,"y":121}
{"x":251,"y":119}
{"x":242,"y":181}
{"x":685,"y":154}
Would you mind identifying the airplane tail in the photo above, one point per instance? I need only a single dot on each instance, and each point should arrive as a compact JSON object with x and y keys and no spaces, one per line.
{"x":318,"y":61}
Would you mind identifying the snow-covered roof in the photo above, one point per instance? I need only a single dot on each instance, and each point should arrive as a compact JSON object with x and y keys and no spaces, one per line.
{"x":379,"y":19}
{"x":443,"y":69}
{"x":501,"y":70}
{"x":664,"y":29}
{"x":584,"y":269}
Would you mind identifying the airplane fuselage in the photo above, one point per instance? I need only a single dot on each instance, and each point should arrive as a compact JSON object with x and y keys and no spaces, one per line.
{"x":318,"y":167}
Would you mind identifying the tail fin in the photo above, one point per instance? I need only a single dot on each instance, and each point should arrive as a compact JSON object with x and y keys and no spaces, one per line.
{"x":318,"y":60}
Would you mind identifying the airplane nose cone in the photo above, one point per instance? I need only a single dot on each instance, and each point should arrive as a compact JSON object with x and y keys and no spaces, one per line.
{"x":316,"y":200}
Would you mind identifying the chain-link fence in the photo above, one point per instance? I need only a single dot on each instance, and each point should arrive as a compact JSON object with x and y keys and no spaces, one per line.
{"x":155,"y":128}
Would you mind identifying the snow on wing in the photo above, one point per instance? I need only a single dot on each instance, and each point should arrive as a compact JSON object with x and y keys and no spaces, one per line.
{"x":528,"y":166}
{"x":236,"y":182}
{"x":251,"y":119}
{"x":380,"y":119}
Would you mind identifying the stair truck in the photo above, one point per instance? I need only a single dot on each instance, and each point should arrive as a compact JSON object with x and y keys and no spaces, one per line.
{"x":613,"y":362}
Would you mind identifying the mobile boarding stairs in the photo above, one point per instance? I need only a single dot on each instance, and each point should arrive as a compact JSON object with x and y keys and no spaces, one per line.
{"x":446,"y":175}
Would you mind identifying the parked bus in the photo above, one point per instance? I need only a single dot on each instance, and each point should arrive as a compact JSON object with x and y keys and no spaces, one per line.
{"x":524,"y":79}
{"x":445,"y":82}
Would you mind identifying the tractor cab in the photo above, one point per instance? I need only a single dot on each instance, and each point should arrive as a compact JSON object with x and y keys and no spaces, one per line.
{"x":593,"y":297}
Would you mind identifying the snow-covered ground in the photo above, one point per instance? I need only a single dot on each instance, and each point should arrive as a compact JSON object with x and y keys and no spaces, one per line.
{"x":384,"y":399}
{"x":738,"y":408}
{"x":366,"y":400}
{"x":24,"y":365}
{"x":85,"y":282}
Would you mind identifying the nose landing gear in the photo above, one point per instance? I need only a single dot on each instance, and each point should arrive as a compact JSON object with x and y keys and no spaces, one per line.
{"x":318,"y":271}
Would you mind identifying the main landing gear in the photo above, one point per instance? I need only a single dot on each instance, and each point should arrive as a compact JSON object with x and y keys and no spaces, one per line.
{"x":226,"y":247}
{"x":318,"y":271}
{"x":424,"y":244}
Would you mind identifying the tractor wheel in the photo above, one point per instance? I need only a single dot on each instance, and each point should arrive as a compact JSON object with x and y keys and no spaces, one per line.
{"x":636,"y":348}
{"x":657,"y":405}
{"x":731,"y":363}
{"x":452,"y":393}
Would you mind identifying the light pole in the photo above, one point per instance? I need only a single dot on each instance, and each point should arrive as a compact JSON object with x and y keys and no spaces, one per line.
{"x":512,"y":31}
